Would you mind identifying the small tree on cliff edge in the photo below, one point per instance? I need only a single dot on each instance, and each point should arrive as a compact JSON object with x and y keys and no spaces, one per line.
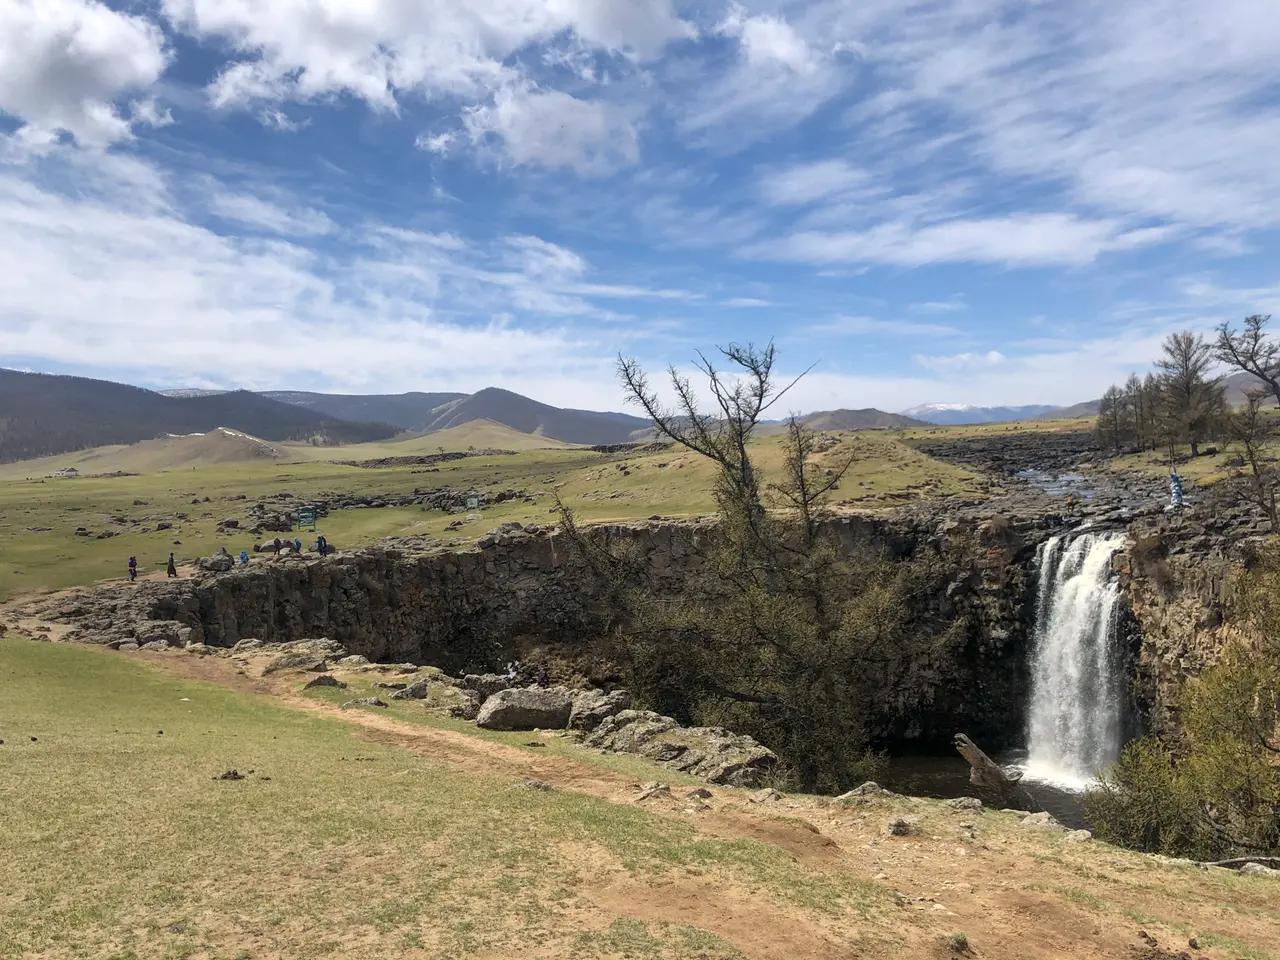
{"x":778,"y":635}
{"x":1192,"y":398}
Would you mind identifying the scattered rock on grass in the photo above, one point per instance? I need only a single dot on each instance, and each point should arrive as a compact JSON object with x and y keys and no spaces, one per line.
{"x":965,"y":803}
{"x":296,"y":661}
{"x":650,"y":790}
{"x":1042,"y":820}
{"x":868,"y":789}
{"x":324,"y":680}
{"x":902,"y":827}
{"x":364,"y":702}
{"x":418,"y":690}
{"x":230,"y":775}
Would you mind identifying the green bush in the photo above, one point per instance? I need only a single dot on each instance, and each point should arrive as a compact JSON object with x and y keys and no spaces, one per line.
{"x":1216,"y":792}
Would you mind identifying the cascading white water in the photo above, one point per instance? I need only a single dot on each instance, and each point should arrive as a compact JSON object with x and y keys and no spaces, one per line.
{"x":1074,"y":725}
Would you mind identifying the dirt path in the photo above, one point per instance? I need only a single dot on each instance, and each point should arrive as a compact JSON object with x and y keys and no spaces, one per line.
{"x":1018,"y":893}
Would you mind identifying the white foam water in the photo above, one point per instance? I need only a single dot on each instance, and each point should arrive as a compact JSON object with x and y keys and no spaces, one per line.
{"x":1076,"y":710}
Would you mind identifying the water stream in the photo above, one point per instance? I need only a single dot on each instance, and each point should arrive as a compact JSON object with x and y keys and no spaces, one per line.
{"x":1075,"y":720}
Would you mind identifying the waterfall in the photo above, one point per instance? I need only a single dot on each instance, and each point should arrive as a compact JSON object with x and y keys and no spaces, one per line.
{"x":1077,"y":684}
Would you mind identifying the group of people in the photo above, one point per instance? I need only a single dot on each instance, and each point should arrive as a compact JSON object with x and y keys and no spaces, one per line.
{"x":321,"y":546}
{"x":171,"y":568}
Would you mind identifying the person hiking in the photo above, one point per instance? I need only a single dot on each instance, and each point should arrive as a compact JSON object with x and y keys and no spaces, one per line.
{"x":297,"y":545}
{"x":172,"y":569}
{"x":244,"y":558}
{"x":133,"y":569}
{"x":1175,"y":490}
{"x":322,"y":546}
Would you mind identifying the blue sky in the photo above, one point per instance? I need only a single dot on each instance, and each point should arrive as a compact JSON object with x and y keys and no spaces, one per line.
{"x":981,"y":201}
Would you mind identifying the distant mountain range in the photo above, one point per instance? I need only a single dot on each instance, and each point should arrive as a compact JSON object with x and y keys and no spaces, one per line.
{"x":43,"y":414}
{"x":958,"y":413}
{"x":867,"y":418}
{"x":429,"y":412}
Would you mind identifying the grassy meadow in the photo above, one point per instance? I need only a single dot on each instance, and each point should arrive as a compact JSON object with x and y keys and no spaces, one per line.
{"x":404,"y":833}
{"x":39,"y":515}
{"x":119,"y":842}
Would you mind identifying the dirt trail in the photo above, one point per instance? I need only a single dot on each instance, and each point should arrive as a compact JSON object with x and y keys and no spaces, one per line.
{"x":1019,"y":893}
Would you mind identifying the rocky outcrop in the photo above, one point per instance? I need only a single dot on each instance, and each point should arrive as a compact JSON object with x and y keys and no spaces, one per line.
{"x":517,"y":590}
{"x":1013,"y":450}
{"x":526,"y":708}
{"x":1179,"y":571}
{"x":711,"y":753}
{"x":592,"y":707}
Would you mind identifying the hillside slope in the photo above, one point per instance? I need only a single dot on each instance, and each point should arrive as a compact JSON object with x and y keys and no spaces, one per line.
{"x":529,"y":416}
{"x":172,"y":452}
{"x":44,"y":414}
{"x":866,"y":418}
{"x":408,"y":411}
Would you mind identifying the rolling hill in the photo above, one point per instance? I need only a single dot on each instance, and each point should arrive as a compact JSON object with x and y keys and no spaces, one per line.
{"x":529,"y":416}
{"x":867,"y":418}
{"x":44,"y":414}
{"x":215,"y":447}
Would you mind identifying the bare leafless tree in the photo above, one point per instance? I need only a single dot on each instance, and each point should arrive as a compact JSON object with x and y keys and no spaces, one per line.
{"x":741,"y":399}
{"x":1254,"y":430}
{"x":1251,"y":350}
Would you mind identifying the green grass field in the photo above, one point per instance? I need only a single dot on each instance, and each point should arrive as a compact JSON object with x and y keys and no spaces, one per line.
{"x":119,"y":843}
{"x":39,"y":516}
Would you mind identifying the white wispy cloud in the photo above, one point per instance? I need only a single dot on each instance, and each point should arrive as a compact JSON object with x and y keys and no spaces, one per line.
{"x":780,"y":77}
{"x":960,"y":362}
{"x":1032,"y":239}
{"x":177,"y":301}
{"x":256,"y":211}
{"x":803,"y":183}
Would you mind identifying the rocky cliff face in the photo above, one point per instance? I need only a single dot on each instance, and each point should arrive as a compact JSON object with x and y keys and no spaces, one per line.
{"x":1179,"y":572}
{"x":477,"y":608}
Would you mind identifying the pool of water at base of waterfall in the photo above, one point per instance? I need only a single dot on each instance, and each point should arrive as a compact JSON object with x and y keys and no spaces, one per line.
{"x":945,"y":777}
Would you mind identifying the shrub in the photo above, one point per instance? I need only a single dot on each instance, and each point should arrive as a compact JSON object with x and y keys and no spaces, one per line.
{"x":1216,"y":792}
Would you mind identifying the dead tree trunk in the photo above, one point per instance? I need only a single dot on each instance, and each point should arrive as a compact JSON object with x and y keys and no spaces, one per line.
{"x":983,"y":771}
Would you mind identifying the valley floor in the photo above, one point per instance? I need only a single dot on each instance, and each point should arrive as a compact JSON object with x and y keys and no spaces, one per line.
{"x":399,"y":832}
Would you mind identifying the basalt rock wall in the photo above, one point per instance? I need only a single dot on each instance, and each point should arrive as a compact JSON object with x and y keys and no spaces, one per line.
{"x":1180,"y":570}
{"x":477,"y":607}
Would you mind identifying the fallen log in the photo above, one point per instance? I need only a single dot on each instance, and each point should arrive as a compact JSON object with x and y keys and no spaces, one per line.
{"x":983,"y":771}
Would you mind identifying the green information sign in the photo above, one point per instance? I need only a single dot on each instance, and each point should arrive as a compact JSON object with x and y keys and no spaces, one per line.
{"x":306,"y":518}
